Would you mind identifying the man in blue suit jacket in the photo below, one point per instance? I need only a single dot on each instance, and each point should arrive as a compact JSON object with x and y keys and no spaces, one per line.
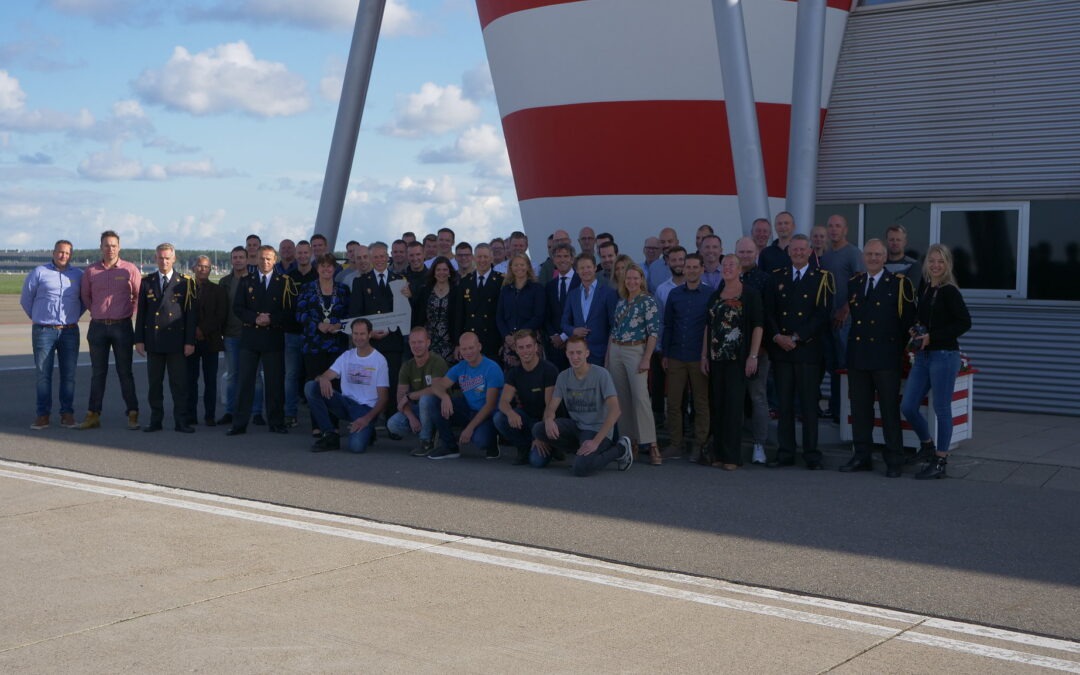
{"x":590,"y":309}
{"x":557,"y":291}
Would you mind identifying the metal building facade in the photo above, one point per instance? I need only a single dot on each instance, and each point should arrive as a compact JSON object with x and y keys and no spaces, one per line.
{"x":969,"y":101}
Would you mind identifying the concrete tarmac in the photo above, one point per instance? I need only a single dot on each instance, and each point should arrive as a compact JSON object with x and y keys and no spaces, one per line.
{"x":113,"y":576}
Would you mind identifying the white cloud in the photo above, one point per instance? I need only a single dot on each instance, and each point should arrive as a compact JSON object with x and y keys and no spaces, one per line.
{"x":15,"y":116}
{"x":199,"y":231}
{"x":223,"y":79}
{"x":112,"y":164}
{"x":476,"y":82}
{"x":332,"y":80}
{"x":398,"y":17}
{"x":427,"y":191}
{"x":431,"y":111}
{"x":480,"y":144}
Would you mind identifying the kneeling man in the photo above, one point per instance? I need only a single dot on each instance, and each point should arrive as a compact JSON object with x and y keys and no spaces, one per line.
{"x":589,"y":394}
{"x":365,"y":390}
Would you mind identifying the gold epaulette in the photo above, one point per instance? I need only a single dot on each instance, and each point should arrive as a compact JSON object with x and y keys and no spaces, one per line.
{"x":907,"y":293}
{"x":826,"y":287}
{"x":290,"y":292}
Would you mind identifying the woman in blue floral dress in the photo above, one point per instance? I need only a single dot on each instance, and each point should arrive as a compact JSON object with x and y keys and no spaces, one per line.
{"x":321,"y":307}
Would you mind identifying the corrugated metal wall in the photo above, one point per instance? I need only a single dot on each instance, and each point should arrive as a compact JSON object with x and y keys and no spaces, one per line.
{"x":964,"y":101}
{"x":1027,"y":356}
{"x":955,"y":100}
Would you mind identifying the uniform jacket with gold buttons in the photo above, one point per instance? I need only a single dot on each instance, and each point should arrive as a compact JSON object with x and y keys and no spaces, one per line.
{"x":474,"y":309}
{"x":166,"y":319}
{"x":801,"y":309}
{"x":879,"y":322}
{"x":252,"y":299}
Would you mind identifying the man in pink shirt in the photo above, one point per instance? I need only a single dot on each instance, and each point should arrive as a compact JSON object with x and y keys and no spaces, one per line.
{"x":110,"y":290}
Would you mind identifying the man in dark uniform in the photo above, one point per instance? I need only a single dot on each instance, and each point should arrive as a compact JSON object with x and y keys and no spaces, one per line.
{"x":882,"y":311}
{"x":262,"y":303}
{"x":557,"y":291}
{"x":797,"y":310}
{"x":212,"y":311}
{"x":474,"y":302}
{"x":165,"y":335}
{"x":371,"y":294}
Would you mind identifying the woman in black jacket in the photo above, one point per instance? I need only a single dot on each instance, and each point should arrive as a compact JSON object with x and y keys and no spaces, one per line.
{"x":942,"y":317}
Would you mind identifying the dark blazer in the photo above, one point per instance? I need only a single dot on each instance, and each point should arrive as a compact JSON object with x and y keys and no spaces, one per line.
{"x":165,"y":322}
{"x":600,"y":320}
{"x":880,"y":322}
{"x":473,"y":309}
{"x":801,"y":309}
{"x":520,"y":309}
{"x":554,"y":310}
{"x":368,"y":298}
{"x":212,"y":311}
{"x":277,"y":301}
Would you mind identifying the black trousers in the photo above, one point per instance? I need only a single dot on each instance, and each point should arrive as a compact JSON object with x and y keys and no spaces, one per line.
{"x":886,"y":384}
{"x":156,"y":366}
{"x":727,"y":387}
{"x":803,"y":378}
{"x":204,"y":360}
{"x":273,"y":364}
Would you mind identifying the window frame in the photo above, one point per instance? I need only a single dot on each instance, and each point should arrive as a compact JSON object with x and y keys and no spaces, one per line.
{"x":1023,"y":210}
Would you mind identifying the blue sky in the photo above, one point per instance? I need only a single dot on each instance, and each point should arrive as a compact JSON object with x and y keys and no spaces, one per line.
{"x":200,"y":121}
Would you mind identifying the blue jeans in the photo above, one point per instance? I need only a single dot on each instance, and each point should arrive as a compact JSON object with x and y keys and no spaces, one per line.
{"x":119,"y":336}
{"x":484,"y":434}
{"x":232,"y":375}
{"x":569,"y":440}
{"x":399,"y":424}
{"x":342,"y":407}
{"x":50,"y":344}
{"x":934,"y":371}
{"x":520,"y":438}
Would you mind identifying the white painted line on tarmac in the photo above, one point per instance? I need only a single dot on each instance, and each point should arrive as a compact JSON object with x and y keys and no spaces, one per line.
{"x":436,"y":543}
{"x":10,"y":369}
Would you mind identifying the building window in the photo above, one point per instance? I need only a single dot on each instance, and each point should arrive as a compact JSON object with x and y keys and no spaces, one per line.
{"x":1054,"y":250}
{"x":914,"y":216}
{"x":985,"y":240}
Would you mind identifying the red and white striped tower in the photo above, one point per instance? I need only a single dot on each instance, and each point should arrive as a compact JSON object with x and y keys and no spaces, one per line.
{"x":614,"y":110}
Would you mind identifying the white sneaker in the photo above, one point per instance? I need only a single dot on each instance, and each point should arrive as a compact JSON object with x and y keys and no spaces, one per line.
{"x":759,"y":454}
{"x":627,"y":458}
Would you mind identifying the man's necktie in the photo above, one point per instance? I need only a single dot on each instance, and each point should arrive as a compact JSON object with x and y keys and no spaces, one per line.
{"x":164,"y":282}
{"x":870,"y":288}
{"x":382,"y":282}
{"x":562,"y":288}
{"x":479,"y":280}
{"x":798,"y":276}
{"x":266,"y":281}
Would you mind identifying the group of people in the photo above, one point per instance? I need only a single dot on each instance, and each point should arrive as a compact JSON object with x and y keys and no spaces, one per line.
{"x":576,"y":355}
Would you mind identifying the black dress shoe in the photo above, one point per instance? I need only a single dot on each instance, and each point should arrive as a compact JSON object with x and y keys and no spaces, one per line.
{"x":855,"y":464}
{"x":278,"y":429}
{"x":210,"y":422}
{"x":328,"y":442}
{"x":152,"y":427}
{"x":777,"y":463}
{"x":185,"y":428}
{"x":815,"y":466}
{"x":258,"y":420}
{"x":236,"y":431}
{"x":225,"y":419}
{"x":893,"y":472}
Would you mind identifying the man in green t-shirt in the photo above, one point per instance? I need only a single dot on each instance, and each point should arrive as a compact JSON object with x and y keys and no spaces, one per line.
{"x":414,"y":383}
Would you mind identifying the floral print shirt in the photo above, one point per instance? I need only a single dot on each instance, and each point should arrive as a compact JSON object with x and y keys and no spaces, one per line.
{"x":312,"y":308}
{"x":730,"y":323}
{"x":636,"y":320}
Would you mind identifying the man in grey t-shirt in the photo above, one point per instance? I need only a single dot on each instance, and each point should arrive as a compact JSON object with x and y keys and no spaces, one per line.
{"x":589,"y":394}
{"x":843,"y":259}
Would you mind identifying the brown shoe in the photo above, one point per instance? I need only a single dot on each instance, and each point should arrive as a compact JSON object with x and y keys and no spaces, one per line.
{"x":92,"y":421}
{"x":67,"y":420}
{"x":654,"y":455}
{"x":40,"y":422}
{"x":133,"y":420}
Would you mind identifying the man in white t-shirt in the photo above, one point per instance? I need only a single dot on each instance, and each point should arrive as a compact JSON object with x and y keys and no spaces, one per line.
{"x":365,"y":390}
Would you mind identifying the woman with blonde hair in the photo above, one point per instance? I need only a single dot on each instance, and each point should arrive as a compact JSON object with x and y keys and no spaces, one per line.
{"x":941,"y":318}
{"x":520,"y":306}
{"x":633,"y":339}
